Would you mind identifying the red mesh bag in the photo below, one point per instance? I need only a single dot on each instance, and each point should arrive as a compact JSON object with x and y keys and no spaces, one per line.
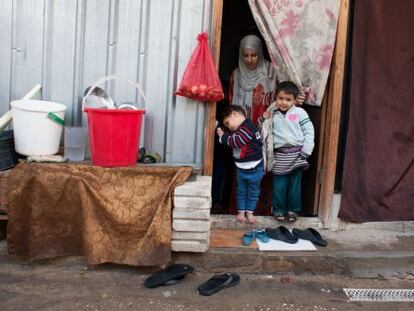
{"x":200,"y":80}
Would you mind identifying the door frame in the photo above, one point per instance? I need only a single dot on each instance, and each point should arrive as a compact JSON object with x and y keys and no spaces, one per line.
{"x":330,"y":118}
{"x":330,"y":126}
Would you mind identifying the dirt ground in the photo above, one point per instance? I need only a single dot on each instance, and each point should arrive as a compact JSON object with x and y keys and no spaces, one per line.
{"x":70,"y":284}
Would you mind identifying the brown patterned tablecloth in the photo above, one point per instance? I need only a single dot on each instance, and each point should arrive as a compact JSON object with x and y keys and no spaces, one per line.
{"x":118,"y":215}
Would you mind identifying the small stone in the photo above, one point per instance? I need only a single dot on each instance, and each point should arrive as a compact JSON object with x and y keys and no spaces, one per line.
{"x":285,"y":280}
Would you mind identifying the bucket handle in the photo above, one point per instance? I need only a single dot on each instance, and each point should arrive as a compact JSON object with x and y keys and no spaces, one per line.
{"x":112,"y":77}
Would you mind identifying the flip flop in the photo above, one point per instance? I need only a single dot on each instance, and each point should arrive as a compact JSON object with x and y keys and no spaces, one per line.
{"x":174,"y":281}
{"x":218,"y":282}
{"x":281,"y":233}
{"x":171,"y":275}
{"x":310,"y":234}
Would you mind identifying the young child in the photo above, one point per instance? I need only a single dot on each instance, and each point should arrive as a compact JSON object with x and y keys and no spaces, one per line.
{"x":288,"y":138}
{"x":244,"y":138}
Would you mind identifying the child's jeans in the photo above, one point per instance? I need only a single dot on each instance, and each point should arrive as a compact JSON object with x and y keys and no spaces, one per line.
{"x":287,"y":193}
{"x":248,"y":188}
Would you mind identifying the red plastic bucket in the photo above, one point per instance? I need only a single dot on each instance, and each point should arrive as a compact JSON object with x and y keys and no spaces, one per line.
{"x":114,"y":136}
{"x":114,"y":133}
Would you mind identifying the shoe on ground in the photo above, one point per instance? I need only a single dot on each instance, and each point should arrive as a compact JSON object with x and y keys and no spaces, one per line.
{"x":248,"y":238}
{"x":262,"y":236}
{"x":310,"y":234}
{"x":281,"y":233}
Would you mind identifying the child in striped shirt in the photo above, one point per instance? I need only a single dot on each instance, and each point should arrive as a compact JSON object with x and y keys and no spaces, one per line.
{"x":244,"y":139}
{"x":288,"y":137}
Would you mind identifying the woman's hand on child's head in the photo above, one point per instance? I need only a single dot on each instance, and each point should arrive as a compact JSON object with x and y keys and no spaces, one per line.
{"x":266,"y":115}
{"x":219,"y":132}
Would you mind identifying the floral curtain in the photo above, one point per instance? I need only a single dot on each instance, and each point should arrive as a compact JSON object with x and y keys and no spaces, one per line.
{"x":300,"y":37}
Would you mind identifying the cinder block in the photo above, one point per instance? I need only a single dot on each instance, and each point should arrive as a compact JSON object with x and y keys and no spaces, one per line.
{"x":193,"y":189}
{"x":185,"y":213}
{"x":204,"y":179}
{"x":189,"y":246}
{"x":203,"y":236}
{"x":191,"y":225}
{"x":192,"y":202}
{"x":201,"y":187}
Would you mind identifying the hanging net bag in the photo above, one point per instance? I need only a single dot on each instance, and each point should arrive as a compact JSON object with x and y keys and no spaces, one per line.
{"x":200,"y":80}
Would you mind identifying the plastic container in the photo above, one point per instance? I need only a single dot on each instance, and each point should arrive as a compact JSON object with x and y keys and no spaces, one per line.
{"x":8,"y":156}
{"x":34,"y":132}
{"x":75,"y":143}
{"x":114,"y":134}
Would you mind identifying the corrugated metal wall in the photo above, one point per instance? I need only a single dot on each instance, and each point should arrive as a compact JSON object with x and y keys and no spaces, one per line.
{"x":66,"y":45}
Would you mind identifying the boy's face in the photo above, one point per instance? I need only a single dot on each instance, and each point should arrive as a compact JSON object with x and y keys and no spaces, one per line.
{"x":233,"y":121}
{"x":284,"y":101}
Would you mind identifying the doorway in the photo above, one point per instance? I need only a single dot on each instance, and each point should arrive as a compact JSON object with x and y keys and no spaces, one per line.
{"x":237,"y":21}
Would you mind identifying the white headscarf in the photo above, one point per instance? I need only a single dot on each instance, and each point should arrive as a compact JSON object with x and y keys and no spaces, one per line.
{"x":246,"y":80}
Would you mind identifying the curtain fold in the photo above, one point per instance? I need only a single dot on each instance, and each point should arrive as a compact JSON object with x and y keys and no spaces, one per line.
{"x":300,"y":37}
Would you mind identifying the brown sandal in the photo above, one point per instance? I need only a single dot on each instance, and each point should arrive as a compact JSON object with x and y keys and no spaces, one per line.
{"x":280,"y":217}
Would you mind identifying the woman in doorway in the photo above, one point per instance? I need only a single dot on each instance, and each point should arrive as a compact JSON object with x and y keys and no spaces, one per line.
{"x":253,"y":82}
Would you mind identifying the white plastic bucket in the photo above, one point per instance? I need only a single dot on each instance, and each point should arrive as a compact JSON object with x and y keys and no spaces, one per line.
{"x":34,"y":132}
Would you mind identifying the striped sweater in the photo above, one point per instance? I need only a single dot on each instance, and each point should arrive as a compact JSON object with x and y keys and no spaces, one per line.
{"x":245,"y":142}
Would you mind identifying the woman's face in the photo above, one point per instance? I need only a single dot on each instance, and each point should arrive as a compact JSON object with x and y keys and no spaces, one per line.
{"x":250,"y":58}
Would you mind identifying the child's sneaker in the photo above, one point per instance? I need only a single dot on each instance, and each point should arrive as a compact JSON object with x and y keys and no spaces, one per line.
{"x":261,"y":236}
{"x":248,"y":238}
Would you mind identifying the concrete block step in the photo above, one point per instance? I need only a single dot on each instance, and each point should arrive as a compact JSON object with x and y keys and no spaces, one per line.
{"x":204,"y":236}
{"x":355,"y":253}
{"x":191,"y":214}
{"x":189,"y":246}
{"x":229,"y":222}
{"x":191,"y":225}
{"x":192,"y":203}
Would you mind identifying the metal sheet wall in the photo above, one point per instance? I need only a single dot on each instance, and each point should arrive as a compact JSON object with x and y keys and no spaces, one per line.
{"x":66,"y":45}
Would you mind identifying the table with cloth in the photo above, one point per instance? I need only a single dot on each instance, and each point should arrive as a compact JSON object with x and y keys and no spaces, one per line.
{"x":120,"y":215}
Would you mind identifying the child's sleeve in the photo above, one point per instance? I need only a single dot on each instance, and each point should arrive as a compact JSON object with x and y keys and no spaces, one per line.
{"x":239,"y":138}
{"x":308,"y":134}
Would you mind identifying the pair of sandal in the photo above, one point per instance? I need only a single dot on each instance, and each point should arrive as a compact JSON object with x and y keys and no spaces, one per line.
{"x":248,"y":237}
{"x":289,"y":217}
{"x":282,"y":233}
{"x":175,"y":274}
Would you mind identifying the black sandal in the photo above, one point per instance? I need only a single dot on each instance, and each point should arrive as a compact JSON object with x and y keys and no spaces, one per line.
{"x":171,"y":275}
{"x":291,"y":217}
{"x":218,"y":282}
